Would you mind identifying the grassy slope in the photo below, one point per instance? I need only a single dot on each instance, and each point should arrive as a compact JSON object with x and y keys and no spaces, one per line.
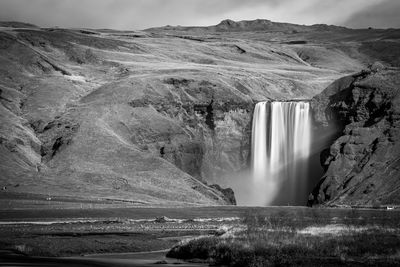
{"x":76,"y":85}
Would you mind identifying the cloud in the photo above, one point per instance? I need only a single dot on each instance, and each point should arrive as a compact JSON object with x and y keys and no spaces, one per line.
{"x":140,"y":14}
{"x":306,"y":11}
{"x":382,"y":15}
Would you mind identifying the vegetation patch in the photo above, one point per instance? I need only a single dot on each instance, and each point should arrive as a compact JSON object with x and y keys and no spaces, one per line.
{"x":270,"y":241}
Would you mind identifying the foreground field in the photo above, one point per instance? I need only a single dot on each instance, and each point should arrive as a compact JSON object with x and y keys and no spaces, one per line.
{"x":233,"y":236}
{"x":281,"y":240}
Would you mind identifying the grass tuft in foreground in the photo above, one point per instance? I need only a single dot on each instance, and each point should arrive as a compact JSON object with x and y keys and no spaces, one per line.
{"x":273,"y":241}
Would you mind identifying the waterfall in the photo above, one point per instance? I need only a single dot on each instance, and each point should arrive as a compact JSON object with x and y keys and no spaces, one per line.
{"x":259,"y":141}
{"x":280,"y":148}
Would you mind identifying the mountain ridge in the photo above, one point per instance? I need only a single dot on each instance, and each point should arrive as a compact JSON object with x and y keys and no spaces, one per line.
{"x":253,"y":25}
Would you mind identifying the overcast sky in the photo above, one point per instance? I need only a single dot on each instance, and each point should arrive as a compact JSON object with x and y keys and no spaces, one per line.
{"x":141,"y":14}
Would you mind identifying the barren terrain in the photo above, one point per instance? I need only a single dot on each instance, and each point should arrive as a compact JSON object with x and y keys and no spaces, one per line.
{"x":150,"y":116}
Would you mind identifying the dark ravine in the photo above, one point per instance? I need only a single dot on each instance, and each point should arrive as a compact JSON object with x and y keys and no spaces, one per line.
{"x":362,"y":166}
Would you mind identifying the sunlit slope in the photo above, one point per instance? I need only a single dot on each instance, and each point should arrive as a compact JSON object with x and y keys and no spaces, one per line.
{"x":138,"y":114}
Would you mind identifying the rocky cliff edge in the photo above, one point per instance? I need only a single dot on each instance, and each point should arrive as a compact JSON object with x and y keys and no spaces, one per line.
{"x":362,"y":166}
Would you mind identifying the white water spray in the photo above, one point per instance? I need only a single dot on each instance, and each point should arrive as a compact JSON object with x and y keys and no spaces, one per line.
{"x":280,"y":148}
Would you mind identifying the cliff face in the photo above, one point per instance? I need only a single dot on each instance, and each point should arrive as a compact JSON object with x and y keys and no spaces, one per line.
{"x":362,"y":166}
{"x":215,"y":127}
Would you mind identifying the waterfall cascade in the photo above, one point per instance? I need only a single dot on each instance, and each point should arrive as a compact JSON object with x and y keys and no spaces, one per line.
{"x":281,"y":139}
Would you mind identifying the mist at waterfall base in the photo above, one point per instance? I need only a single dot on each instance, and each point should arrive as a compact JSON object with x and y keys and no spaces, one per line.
{"x":284,"y":168}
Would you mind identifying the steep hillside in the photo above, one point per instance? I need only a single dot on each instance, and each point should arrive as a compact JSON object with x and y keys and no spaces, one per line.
{"x":149,"y":116}
{"x":362,"y":166}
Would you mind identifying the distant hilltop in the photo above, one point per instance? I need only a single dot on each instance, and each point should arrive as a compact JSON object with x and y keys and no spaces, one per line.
{"x":252,"y":25}
{"x":226,"y":25}
{"x":17,"y":24}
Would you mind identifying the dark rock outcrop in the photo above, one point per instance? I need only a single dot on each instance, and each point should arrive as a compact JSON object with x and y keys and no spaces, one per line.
{"x":55,"y":136}
{"x":363,"y":163}
{"x":228,"y":193}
